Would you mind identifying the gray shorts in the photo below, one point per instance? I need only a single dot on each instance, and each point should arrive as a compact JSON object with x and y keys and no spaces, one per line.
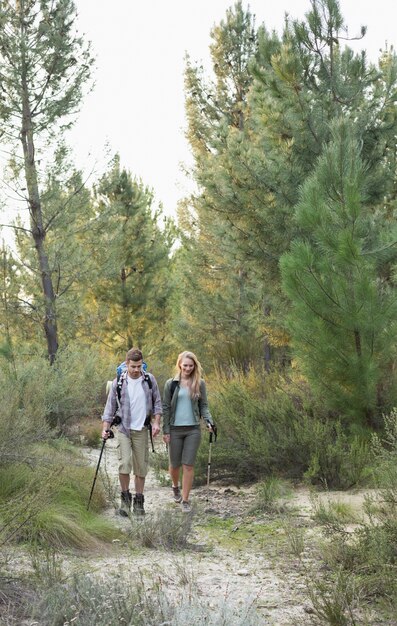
{"x":184,"y":443}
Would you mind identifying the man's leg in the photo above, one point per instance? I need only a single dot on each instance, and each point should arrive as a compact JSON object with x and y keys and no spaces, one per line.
{"x":125,"y":466}
{"x":124,"y":482}
{"x":140,"y":463}
{"x":139,"y":484}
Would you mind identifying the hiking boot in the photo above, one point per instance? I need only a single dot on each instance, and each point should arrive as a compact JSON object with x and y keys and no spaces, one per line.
{"x":137,"y":506}
{"x":125,"y":504}
{"x":185,"y":506}
{"x":177,"y":494}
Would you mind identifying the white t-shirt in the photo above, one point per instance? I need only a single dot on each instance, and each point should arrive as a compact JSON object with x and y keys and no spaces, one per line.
{"x":137,"y":398}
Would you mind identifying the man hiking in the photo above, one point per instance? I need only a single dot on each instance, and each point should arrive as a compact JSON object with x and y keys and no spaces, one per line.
{"x":135,"y":398}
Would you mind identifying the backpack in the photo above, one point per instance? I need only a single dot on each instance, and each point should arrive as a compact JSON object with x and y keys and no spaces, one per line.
{"x":123,"y":366}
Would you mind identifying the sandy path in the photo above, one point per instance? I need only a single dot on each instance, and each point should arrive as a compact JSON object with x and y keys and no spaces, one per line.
{"x":256,"y":573}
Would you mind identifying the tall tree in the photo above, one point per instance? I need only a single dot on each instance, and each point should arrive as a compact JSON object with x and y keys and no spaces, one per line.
{"x":68,"y":214}
{"x":133,"y":278}
{"x":211,"y":266}
{"x":343,"y":316}
{"x":249,"y":174}
{"x":43,"y":68}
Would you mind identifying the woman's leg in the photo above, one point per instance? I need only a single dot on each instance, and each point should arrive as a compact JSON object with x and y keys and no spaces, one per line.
{"x":175,"y":455}
{"x":174,"y":474}
{"x":187,"y":481}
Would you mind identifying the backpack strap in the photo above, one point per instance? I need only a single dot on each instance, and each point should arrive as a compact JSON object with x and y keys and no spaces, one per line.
{"x":148,"y":421}
{"x":120,"y":378}
{"x":173,"y":386}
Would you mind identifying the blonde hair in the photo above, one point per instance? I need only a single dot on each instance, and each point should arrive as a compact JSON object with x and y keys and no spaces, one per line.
{"x":195,"y":377}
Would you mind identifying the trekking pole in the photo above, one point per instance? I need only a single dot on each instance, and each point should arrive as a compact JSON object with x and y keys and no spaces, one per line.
{"x":212,"y":432}
{"x":110,"y":436}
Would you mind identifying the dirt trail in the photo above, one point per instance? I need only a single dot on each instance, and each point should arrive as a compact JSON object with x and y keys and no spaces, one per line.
{"x":243,"y":558}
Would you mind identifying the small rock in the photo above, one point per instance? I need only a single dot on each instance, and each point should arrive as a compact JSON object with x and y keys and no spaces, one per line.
{"x":243,"y":572}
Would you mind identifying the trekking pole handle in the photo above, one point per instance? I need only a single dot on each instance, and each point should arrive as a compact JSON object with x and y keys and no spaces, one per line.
{"x":213,"y":431}
{"x":110,"y":434}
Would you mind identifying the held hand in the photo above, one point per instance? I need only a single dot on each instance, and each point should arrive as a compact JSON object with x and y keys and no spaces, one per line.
{"x":105,"y":433}
{"x":155,"y":429}
{"x":166,"y":438}
{"x":212,"y":429}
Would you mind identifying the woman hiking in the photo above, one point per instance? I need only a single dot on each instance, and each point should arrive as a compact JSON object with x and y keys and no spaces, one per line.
{"x":184,"y":403}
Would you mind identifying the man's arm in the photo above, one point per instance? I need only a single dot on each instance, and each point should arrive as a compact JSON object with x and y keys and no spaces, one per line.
{"x":109,"y":410}
{"x":156,"y":424}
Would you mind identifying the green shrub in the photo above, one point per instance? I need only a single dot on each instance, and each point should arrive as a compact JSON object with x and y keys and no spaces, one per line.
{"x":46,"y":504}
{"x":159,"y":463}
{"x":89,"y":432}
{"x":337,"y":600}
{"x":39,"y":396}
{"x":366,"y":559}
{"x":269,"y":425}
{"x":335,"y":460}
{"x":332,"y":512}
{"x":166,"y":529}
{"x":269,"y":495}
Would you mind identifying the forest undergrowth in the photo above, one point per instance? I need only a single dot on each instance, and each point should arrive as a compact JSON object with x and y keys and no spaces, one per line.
{"x":269,"y":552}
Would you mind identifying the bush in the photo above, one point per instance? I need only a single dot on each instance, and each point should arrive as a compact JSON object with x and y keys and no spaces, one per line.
{"x":89,"y":432}
{"x":368,"y":557}
{"x":46,"y":503}
{"x":39,"y":397}
{"x":270,"y":494}
{"x":166,"y":529}
{"x":119,"y":600}
{"x":268,"y":425}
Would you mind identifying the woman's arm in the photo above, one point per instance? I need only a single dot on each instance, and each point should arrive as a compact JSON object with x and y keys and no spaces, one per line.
{"x":203,"y":404}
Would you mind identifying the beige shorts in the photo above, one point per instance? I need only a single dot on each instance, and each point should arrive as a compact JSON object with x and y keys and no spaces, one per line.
{"x":133,"y":452}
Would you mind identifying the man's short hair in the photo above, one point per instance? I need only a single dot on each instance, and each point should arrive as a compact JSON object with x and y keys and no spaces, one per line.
{"x":134,"y":354}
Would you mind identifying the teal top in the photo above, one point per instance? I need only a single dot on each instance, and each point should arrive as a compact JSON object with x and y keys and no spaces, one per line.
{"x":184,"y":415}
{"x":199,"y":405}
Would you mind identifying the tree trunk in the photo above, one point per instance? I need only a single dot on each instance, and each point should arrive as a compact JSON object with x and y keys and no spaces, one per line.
{"x":36,"y":220}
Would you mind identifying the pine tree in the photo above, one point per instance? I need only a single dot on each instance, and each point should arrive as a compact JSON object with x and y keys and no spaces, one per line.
{"x":68,"y":214}
{"x":132,"y":279}
{"x":43,"y":67}
{"x":343,"y":316}
{"x":211,"y":266}
{"x":250,"y":173}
